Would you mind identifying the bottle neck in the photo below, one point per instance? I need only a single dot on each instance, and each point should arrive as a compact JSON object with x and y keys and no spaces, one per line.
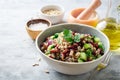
{"x":108,"y":8}
{"x":118,"y":14}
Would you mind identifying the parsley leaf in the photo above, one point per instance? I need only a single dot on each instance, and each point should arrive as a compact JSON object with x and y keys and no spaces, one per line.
{"x":69,"y":39}
{"x":88,"y":52}
{"x":56,"y":35}
{"x":68,"y":35}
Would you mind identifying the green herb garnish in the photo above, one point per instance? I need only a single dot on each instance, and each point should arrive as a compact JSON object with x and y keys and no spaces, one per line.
{"x":88,"y":52}
{"x":56,"y":35}
{"x":68,"y":35}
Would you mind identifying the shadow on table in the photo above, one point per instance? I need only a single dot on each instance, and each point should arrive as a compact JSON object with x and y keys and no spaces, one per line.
{"x":59,"y":76}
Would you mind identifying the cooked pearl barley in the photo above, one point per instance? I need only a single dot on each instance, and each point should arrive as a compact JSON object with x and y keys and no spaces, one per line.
{"x":71,"y":53}
{"x":77,"y":54}
{"x":79,"y":48}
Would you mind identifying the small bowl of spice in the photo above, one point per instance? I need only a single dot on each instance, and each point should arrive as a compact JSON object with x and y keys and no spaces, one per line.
{"x":35,"y":26}
{"x":54,"y":13}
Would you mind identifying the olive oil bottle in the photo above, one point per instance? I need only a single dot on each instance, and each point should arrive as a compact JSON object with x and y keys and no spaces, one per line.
{"x":111,"y":27}
{"x":112,"y":30}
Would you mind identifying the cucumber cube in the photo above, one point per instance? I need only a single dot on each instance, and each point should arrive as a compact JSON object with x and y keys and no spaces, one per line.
{"x":83,"y":56}
{"x":86,"y":46}
{"x":96,"y":39}
{"x":50,"y":47}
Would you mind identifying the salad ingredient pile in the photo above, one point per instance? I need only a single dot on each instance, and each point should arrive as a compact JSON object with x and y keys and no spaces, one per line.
{"x":70,"y":46}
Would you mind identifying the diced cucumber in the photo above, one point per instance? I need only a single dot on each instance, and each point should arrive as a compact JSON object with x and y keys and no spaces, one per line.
{"x":86,"y":46}
{"x":83,"y":56}
{"x":100,"y":45}
{"x":96,"y":39}
{"x":47,"y":52}
{"x":80,"y":60}
{"x":50,"y":47}
{"x":82,"y":35}
{"x":52,"y":37}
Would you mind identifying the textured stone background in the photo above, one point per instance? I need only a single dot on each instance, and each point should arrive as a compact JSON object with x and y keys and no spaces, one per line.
{"x":18,"y":52}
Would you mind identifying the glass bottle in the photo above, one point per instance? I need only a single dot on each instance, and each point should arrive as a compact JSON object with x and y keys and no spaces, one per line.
{"x":111,"y":25}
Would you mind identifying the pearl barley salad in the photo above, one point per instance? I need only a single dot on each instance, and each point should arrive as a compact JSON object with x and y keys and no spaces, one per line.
{"x":69,"y":46}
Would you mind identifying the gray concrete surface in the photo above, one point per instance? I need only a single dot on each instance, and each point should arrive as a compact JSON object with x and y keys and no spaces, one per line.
{"x":18,"y":52}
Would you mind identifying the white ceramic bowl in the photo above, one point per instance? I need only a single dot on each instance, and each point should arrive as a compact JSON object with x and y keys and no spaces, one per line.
{"x":68,"y":67}
{"x":53,"y":18}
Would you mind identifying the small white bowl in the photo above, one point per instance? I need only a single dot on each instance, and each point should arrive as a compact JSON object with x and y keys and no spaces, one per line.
{"x":53,"y":18}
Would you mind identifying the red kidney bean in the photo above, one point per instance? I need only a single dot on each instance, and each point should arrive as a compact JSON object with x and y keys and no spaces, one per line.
{"x":70,"y":47}
{"x":67,"y":54}
{"x":75,"y":44}
{"x":98,"y":51}
{"x":102,"y":52}
{"x":73,"y":33}
{"x":47,"y":38}
{"x":62,"y":56}
{"x":45,"y":45}
{"x":41,"y":45}
{"x":65,"y":51}
{"x":94,"y":44}
{"x":54,"y":50}
{"x":52,"y":56}
{"x":94,"y":52}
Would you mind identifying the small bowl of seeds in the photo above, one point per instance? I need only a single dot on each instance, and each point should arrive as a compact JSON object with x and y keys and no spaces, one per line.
{"x":54,"y":13}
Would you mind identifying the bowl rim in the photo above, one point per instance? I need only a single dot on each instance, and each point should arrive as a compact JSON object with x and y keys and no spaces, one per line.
{"x":55,"y":5}
{"x":89,"y":20}
{"x":27,"y":26}
{"x":89,"y":62}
